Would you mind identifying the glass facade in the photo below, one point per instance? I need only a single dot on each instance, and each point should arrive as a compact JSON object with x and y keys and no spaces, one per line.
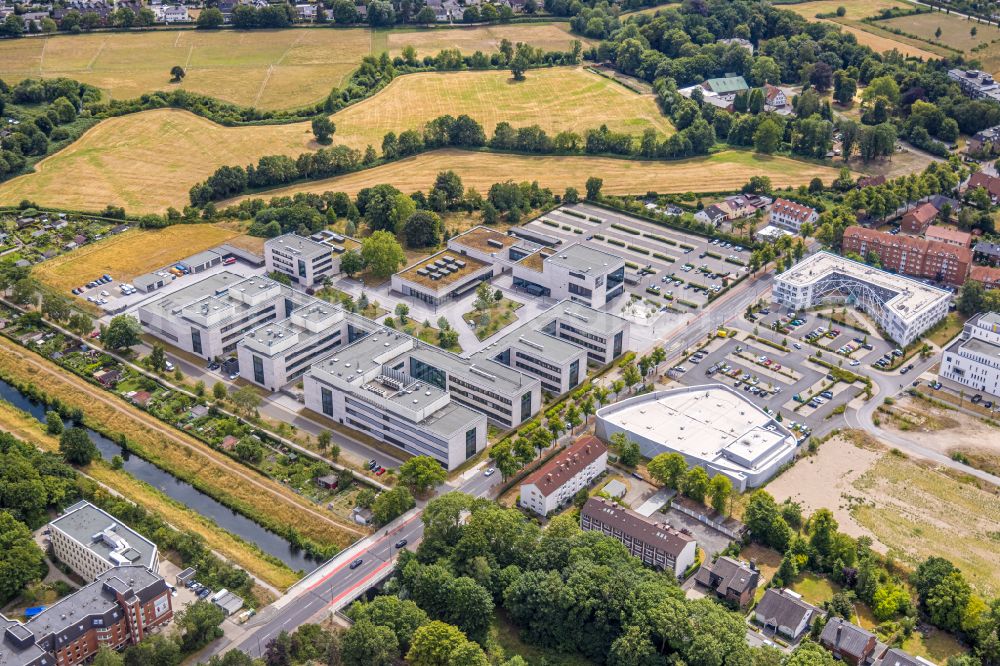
{"x":470,"y":443}
{"x":525,"y":406}
{"x":196,"y":341}
{"x":326,"y":395}
{"x":428,"y":373}
{"x":574,"y":373}
{"x":258,"y":370}
{"x":618,"y":344}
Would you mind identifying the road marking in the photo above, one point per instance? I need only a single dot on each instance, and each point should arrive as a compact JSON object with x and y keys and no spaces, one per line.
{"x":362,"y":583}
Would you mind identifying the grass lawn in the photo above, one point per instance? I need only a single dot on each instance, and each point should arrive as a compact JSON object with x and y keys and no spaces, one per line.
{"x":334,"y":295}
{"x":428,"y":334}
{"x":956,"y":32}
{"x":485,"y":38}
{"x":507,"y":636}
{"x":951,"y":327}
{"x":270,"y":69}
{"x":721,"y":172}
{"x":500,"y":315}
{"x":178,"y":149}
{"x":814,"y":589}
{"x":936,"y":646}
{"x":132,"y":253}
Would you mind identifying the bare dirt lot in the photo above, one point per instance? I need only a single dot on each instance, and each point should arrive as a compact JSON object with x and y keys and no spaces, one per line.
{"x":911,"y":509}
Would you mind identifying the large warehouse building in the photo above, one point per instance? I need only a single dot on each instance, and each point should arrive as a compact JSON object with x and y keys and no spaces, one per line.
{"x":901,"y":306}
{"x":712,"y":426}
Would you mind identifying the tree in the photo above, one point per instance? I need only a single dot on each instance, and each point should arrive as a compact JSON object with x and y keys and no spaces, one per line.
{"x":403,"y":618}
{"x":695,"y":483}
{"x":351,"y":263}
{"x":436,"y":644}
{"x":76,"y":447}
{"x":21,"y":560}
{"x":821,"y":76}
{"x":219,"y":391}
{"x":157,"y":359}
{"x":199,"y":624}
{"x":421,"y":473}
{"x":382,"y":254}
{"x":593,"y":187}
{"x":765,"y":523}
{"x":767,"y":137}
{"x":391,"y":504}
{"x":177,"y":74}
{"x":519,"y":65}
{"x":668,"y":468}
{"x":811,"y":654}
{"x":402,"y":310}
{"x":246,"y":400}
{"x":107,"y":657}
{"x":55,"y":307}
{"x":323,"y":129}
{"x":53,"y":423}
{"x":720,"y":488}
{"x":210,"y":17}
{"x":422,"y":229}
{"x":425,"y":16}
{"x":249,"y":449}
{"x":122,"y":332}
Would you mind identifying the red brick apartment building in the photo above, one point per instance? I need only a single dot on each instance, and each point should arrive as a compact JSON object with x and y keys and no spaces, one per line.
{"x":916,"y":257}
{"x":117,"y":610}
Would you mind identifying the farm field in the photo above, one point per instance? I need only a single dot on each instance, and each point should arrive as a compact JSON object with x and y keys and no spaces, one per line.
{"x":273,"y":69}
{"x":724,"y":171}
{"x":148,"y":161}
{"x":130,"y":254}
{"x":956,"y":33}
{"x":430,"y":41}
{"x":896,"y":500}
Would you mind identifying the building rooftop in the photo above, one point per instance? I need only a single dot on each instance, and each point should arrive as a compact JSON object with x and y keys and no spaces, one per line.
{"x":783,"y":608}
{"x":656,"y":534}
{"x":298,"y":245}
{"x":214,"y":296}
{"x":201,"y":258}
{"x":551,"y":476}
{"x":846,"y":637}
{"x":103,"y":534}
{"x":485,"y":240}
{"x":911,"y":297}
{"x":948,"y":234}
{"x":594,"y":320}
{"x":442,"y":270}
{"x":896,"y":657}
{"x":17,"y":645}
{"x":585,"y":259}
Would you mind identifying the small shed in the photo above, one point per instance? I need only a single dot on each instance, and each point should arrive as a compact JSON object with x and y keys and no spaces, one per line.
{"x":328,"y":481}
{"x":202,"y":261}
{"x":228,"y":602}
{"x":615,"y":489}
{"x":149,"y":282}
{"x":362,"y":516}
{"x":185,"y":576}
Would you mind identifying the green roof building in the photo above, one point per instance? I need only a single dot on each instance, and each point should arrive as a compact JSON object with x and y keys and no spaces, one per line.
{"x":726,"y":85}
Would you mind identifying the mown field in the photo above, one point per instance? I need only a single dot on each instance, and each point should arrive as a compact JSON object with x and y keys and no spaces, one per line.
{"x":130,"y":254}
{"x":956,"y":32}
{"x":723,"y":171}
{"x":149,"y":161}
{"x":866,"y":35}
{"x":429,"y":41}
{"x":271,"y":69}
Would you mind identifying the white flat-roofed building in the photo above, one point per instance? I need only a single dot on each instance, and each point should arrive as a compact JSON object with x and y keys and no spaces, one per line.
{"x":210,"y":317}
{"x":903,"y":307}
{"x":557,"y":345}
{"x":557,"y":481}
{"x":492,"y":247}
{"x":441,"y":277}
{"x":306,"y":261}
{"x":712,"y":426}
{"x":420,"y":398}
{"x":90,"y":541}
{"x":576,"y":272}
{"x":973,"y":361}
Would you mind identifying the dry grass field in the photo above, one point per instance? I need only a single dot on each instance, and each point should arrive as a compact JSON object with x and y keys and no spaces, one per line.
{"x":272,"y":69}
{"x":130,"y":254}
{"x":149,"y":161}
{"x":723,"y":171}
{"x":956,"y":33}
{"x":429,"y":41}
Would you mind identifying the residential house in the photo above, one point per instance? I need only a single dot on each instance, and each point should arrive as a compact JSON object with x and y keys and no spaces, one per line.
{"x":730,"y":579}
{"x":989,"y":183}
{"x":976,"y":84}
{"x":328,"y":481}
{"x":988,"y":276}
{"x":940,"y":201}
{"x":948,"y":235}
{"x":172,"y":14}
{"x":896,"y":657}
{"x":906,"y":255}
{"x":557,"y":481}
{"x":785,"y":612}
{"x":984,"y":143}
{"x":306,"y":12}
{"x":774,"y":98}
{"x":654,"y":542}
{"x":714,"y":215}
{"x":916,"y":221}
{"x":791,"y":215}
{"x":848,"y":642}
{"x":987,"y":252}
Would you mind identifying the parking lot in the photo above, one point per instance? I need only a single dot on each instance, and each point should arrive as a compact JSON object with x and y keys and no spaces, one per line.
{"x":663,"y":264}
{"x":772,"y":379}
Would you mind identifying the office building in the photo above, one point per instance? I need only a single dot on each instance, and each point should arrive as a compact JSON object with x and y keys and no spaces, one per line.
{"x":307,"y":261}
{"x":712,"y":426}
{"x":420,"y":398}
{"x":114,"y":611}
{"x":791,"y":215}
{"x":556,"y":482}
{"x":441,"y":277}
{"x":492,"y":247}
{"x":90,"y":541}
{"x":902,"y":307}
{"x":972,"y":362}
{"x":917,"y":257}
{"x":578,"y":272}
{"x":975,"y":83}
{"x":654,"y":542}
{"x":557,"y":345}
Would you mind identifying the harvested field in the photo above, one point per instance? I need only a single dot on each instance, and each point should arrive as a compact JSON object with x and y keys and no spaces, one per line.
{"x":956,"y":32}
{"x":430,"y":41}
{"x":149,"y":161}
{"x":910,"y":508}
{"x":25,"y":427}
{"x":132,"y":253}
{"x":272,"y":69}
{"x":723,"y":171}
{"x":258,"y":497}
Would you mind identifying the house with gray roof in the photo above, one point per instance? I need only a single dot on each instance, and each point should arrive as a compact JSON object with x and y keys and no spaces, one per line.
{"x":785,"y":612}
{"x":730,"y":579}
{"x":848,"y":642}
{"x":896,"y":657}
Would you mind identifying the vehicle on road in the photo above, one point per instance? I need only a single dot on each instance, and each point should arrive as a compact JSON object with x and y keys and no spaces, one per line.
{"x":490,"y":472}
{"x":401,"y":543}
{"x":356,"y":563}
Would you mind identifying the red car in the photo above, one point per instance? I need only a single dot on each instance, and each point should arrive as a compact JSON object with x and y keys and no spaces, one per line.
{"x":380,"y":472}
{"x":95,"y":334}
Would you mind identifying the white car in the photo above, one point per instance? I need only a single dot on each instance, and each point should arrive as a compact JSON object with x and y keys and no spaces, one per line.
{"x":105,"y":293}
{"x":855,"y":363}
{"x":489,"y":472}
{"x":168,"y":365}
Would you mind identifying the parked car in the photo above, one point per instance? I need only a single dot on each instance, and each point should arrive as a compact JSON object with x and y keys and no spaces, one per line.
{"x":380,"y":472}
